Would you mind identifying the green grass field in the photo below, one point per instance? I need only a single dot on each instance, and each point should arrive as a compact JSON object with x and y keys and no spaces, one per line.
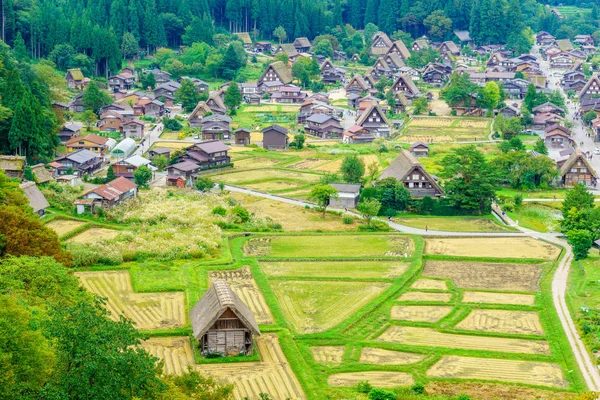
{"x":537,"y":216}
{"x":456,"y":224}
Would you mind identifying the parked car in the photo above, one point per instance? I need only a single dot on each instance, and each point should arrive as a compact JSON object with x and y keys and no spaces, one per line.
{"x":596,"y":151}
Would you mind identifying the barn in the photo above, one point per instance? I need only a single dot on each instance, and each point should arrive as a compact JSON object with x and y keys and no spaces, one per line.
{"x":222,"y":323}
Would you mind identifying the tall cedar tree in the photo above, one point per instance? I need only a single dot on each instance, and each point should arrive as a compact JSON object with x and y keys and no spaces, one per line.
{"x":233,"y":98}
{"x":187,"y":95}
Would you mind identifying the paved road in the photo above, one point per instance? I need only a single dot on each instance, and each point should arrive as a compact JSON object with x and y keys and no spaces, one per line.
{"x":588,"y":368}
{"x":149,"y":139}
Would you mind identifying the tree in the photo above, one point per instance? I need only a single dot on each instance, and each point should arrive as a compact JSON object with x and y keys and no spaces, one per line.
{"x":89,"y":118}
{"x":323,"y":48}
{"x":540,"y":146}
{"x":129,"y":46}
{"x":469,"y":178}
{"x":300,"y":71}
{"x":149,"y":81}
{"x":299,"y":139}
{"x":509,"y":127}
{"x":160,"y":162}
{"x":192,"y":385}
{"x":142,"y":176}
{"x":391,"y":193}
{"x":231,"y":63}
{"x":522,"y":170}
{"x":352,"y":169}
{"x":530,"y":97}
{"x":187,"y":95}
{"x":581,"y":241}
{"x":490,"y":96}
{"x":280,"y":34}
{"x":233,"y":98}
{"x":373,"y":170}
{"x":62,"y":55}
{"x":204,"y":184}
{"x":369,"y":208}
{"x":28,"y":174}
{"x":19,"y":49}
{"x":110,"y":174}
{"x":438,"y":24}
{"x":199,"y":30}
{"x":459,"y":90}
{"x":420,"y":106}
{"x":322,"y":194}
{"x":576,"y":209}
{"x":93,"y":98}
{"x":589,"y":116}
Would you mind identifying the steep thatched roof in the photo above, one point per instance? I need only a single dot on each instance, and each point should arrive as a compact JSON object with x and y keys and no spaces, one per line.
{"x":289,"y":49}
{"x":403,"y":164}
{"x":76,"y":74}
{"x":42,"y":175}
{"x":401,"y":48}
{"x":282,"y":71}
{"x":219,"y":298}
{"x":37,"y":201}
{"x":244,"y":37}
{"x":576,"y":155}
{"x":12,"y":163}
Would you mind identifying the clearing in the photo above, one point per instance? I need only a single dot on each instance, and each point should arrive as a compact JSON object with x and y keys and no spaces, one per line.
{"x":425,"y":296}
{"x":330,"y":246}
{"x":503,"y":321}
{"x":373,"y":355}
{"x":489,"y":369}
{"x":328,"y":354}
{"x":379,"y":379}
{"x":431,"y":338}
{"x":147,"y":310}
{"x":482,"y":275}
{"x":498,"y":298}
{"x":420,"y":313}
{"x":506,"y":247}
{"x":64,"y":226}
{"x":315,"y":306}
{"x":336,"y":269}
{"x":94,"y":234}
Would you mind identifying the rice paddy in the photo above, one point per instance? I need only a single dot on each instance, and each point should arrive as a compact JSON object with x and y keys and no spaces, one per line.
{"x":64,"y":226}
{"x":373,"y":355}
{"x":420,"y":313}
{"x":426,"y":297}
{"x":503,"y":321}
{"x":506,"y":247}
{"x":94,"y":234}
{"x":336,"y":269}
{"x":328,"y":354}
{"x":380,"y":379}
{"x":498,"y":298}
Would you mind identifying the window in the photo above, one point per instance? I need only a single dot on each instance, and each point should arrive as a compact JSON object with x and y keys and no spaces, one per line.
{"x":415,"y":177}
{"x":583,"y":170}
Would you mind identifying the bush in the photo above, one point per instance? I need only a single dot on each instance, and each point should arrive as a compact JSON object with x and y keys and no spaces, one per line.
{"x":241,"y":213}
{"x":219,"y":210}
{"x":347,"y":219}
{"x":418,"y":388}
{"x":381,"y":394}
{"x":363,"y":387}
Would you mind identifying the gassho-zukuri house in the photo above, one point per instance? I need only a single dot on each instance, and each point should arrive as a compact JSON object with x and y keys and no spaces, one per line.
{"x":222,"y":323}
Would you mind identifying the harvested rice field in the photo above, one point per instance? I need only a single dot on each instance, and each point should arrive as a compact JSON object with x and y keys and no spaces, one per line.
{"x":489,"y":369}
{"x":64,"y":226}
{"x":425,"y":296}
{"x":309,"y":163}
{"x":431,"y":338}
{"x":431,"y":122}
{"x":147,"y":310}
{"x":503,"y":321}
{"x":330,"y":246}
{"x":255,"y":175}
{"x":274,"y":185}
{"x":498,"y":298}
{"x":429,"y":284}
{"x":330,"y":167}
{"x":176,"y":145}
{"x":315,"y":306}
{"x":507,"y":247}
{"x":328,"y":354}
{"x":455,"y":224}
{"x":244,"y":285}
{"x":380,"y":379}
{"x":255,"y":162}
{"x":272,"y":375}
{"x":176,"y":352}
{"x":420,"y":313}
{"x":372,"y":355}
{"x":94,"y":234}
{"x":336,"y":269}
{"x":493,"y":276}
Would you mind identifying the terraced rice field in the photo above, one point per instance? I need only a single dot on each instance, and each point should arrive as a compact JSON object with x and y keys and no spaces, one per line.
{"x":419,"y":313}
{"x":315,"y":306}
{"x":176,"y":145}
{"x":499,"y":298}
{"x":429,"y":284}
{"x":149,"y":311}
{"x":255,"y":162}
{"x":272,"y":375}
{"x":274,"y":185}
{"x":509,"y":247}
{"x":328,"y":354}
{"x":372,"y":355}
{"x":469,"y":123}
{"x":247,"y":176}
{"x":330,"y":167}
{"x":431,"y":338}
{"x":329,"y":246}
{"x":64,"y":226}
{"x":307,"y":164}
{"x":176,"y":352}
{"x":380,"y":379}
{"x":244,"y":285}
{"x":94,"y":234}
{"x":425,"y":296}
{"x":503,"y":321}
{"x":475,"y":275}
{"x":489,"y":369}
{"x":432,"y":122}
{"x":336,"y":269}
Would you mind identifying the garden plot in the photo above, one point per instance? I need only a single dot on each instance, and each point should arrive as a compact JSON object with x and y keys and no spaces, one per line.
{"x":503,"y":321}
{"x":256,"y":162}
{"x":307,"y":164}
{"x":274,"y":185}
{"x":315,"y":306}
{"x":429,"y":284}
{"x":425,"y":296}
{"x":489,"y":369}
{"x":379,"y":379}
{"x":499,"y":298}
{"x":432,"y":122}
{"x":330,"y":246}
{"x":64,"y":226}
{"x":494,"y":276}
{"x":336,"y":269}
{"x":255,"y":175}
{"x":371,"y":355}
{"x":505,"y":247}
{"x":416,"y":137}
{"x":330,"y":167}
{"x":176,"y":352}
{"x":175,"y":145}
{"x":432,"y":338}
{"x":328,"y":354}
{"x":420,"y":313}
{"x":272,"y":375}
{"x":147,"y":310}
{"x":94,"y":235}
{"x":244,"y":285}
{"x":471,"y":123}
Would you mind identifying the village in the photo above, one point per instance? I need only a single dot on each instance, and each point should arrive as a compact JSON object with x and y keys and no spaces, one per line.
{"x":340,"y":225}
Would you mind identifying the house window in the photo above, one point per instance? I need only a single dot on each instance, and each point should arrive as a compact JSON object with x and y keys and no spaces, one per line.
{"x":415,"y":177}
{"x":583,"y":170}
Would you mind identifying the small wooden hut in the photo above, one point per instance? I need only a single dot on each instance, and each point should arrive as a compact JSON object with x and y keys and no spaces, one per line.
{"x":222,"y":323}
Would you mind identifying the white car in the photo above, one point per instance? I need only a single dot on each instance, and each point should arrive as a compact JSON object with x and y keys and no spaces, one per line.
{"x":596,"y":151}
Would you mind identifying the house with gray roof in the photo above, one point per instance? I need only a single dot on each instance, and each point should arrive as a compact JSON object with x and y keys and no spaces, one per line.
{"x":408,"y":170}
{"x":347,"y":195}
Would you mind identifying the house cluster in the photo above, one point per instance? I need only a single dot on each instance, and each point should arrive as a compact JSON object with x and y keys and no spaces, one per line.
{"x":200,"y":156}
{"x":561,"y":53}
{"x":546,"y":115}
{"x":319,"y":117}
{"x":589,"y":96}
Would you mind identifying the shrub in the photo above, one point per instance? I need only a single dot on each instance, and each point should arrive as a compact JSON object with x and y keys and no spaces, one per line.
{"x":347,"y":219}
{"x":219,"y":210}
{"x":418,"y":388}
{"x":204,"y":184}
{"x":518,"y":200}
{"x":241,"y":213}
{"x":363,"y":387}
{"x":381,"y":394}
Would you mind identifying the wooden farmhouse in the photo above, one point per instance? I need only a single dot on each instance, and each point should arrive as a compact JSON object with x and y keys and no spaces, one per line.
{"x":419,"y":149}
{"x":75,"y":79}
{"x":405,"y":85}
{"x":420,"y":44}
{"x":69,"y":130}
{"x":374,"y":120}
{"x":302,"y":44}
{"x":577,"y":169}
{"x":242,"y":136}
{"x":399,"y":48}
{"x":357,"y":85}
{"x":408,"y":170}
{"x":222,"y":323}
{"x":590,"y":94}
{"x":449,"y":47}
{"x":106,"y":196}
{"x":37,"y":201}
{"x":380,"y":44}
{"x":275,"y":137}
{"x":276,"y":73}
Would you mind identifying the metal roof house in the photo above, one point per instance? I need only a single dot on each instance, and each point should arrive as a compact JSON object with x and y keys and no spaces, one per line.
{"x":222,"y":323}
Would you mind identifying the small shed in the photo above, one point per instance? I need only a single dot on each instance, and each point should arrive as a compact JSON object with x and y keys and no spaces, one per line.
{"x":419,"y":149}
{"x":222,"y":323}
{"x":348,"y":195}
{"x":242,"y":136}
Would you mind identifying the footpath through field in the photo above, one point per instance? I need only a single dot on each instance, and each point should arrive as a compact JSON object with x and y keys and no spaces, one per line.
{"x":588,"y":368}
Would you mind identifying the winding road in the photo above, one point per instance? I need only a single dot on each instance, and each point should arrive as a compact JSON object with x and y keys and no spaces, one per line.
{"x":587,"y":366}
